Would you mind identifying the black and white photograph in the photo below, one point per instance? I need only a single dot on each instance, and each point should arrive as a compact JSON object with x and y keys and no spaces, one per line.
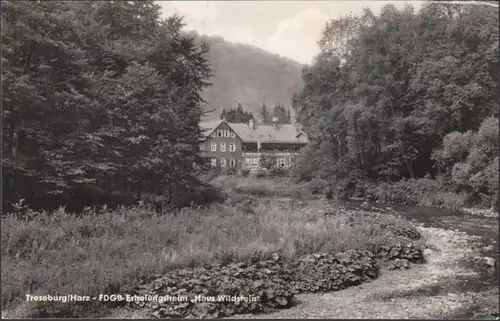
{"x":250,"y":159}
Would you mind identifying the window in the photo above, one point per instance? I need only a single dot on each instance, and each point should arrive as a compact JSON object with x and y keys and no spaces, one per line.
{"x":226,"y":133}
{"x":255,"y":161}
{"x":213,"y":135}
{"x":213,"y":162}
{"x":232,"y":162}
{"x":232,"y":147}
{"x":223,"y":162}
{"x":233,"y":135}
{"x":281,"y":162}
{"x":202,"y":147}
{"x":219,"y":132}
{"x":248,"y":161}
{"x":222,"y":147}
{"x":213,"y":147}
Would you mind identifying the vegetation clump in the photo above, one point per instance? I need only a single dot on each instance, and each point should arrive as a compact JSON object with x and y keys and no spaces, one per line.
{"x":217,"y":290}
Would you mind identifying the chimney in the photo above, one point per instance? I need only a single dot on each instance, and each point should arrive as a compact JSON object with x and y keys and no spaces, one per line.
{"x":275,"y":121}
{"x":251,"y":124}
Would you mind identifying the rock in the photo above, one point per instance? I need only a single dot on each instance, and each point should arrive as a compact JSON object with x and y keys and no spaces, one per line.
{"x":491,"y":262}
{"x":488,"y":248}
{"x":427,"y":252}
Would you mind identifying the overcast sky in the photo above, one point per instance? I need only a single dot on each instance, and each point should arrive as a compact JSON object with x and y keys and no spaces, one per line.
{"x":287,"y":28}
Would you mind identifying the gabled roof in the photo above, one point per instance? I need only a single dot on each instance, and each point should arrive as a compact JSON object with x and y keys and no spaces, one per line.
{"x":209,"y":126}
{"x":281,"y":133}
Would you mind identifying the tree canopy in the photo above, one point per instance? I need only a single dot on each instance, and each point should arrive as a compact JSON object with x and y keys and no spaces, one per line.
{"x":386,"y":90}
{"x":98,"y":97}
{"x":238,"y":115}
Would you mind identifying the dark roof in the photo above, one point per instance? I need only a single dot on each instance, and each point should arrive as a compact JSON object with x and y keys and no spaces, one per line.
{"x":281,"y":133}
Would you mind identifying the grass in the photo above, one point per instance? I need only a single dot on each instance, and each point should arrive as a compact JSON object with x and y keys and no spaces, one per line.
{"x":448,"y":200}
{"x":113,"y":251}
{"x":252,"y":185}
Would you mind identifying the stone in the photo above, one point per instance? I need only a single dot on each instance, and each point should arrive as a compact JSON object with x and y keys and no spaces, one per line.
{"x":491,"y":262}
{"x":427,"y":252}
{"x":488,"y":248}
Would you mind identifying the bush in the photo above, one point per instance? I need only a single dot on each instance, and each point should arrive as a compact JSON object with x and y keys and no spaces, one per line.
{"x":410,"y":191}
{"x":278,"y":172}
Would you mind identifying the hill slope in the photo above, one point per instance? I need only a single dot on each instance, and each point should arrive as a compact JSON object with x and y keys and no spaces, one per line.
{"x":249,"y":75}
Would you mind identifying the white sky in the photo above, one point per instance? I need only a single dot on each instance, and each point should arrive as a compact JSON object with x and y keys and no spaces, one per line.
{"x":287,"y":28}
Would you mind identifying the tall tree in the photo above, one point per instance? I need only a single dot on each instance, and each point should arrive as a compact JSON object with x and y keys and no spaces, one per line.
{"x":105,"y":97}
{"x":264,"y":113}
{"x":281,"y":113}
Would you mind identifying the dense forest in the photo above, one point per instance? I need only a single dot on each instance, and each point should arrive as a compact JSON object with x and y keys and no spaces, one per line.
{"x":405,"y":96}
{"x":100,"y":99}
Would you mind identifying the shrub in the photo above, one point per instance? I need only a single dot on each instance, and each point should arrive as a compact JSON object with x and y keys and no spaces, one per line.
{"x":410,"y":191}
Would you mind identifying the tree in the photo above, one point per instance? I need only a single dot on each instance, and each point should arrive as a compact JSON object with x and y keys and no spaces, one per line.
{"x":264,"y":113}
{"x":223,"y":113}
{"x":105,"y":99}
{"x":281,"y":113}
{"x":237,"y":115}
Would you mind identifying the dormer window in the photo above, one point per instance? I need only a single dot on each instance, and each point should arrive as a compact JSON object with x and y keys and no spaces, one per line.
{"x":226,"y":133}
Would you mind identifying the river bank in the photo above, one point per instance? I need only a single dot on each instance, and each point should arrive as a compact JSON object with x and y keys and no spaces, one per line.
{"x":447,"y":286}
{"x":430,"y":290}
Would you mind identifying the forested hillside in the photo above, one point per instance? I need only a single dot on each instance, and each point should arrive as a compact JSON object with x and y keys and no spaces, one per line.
{"x":404,"y":96}
{"x":248,"y":75}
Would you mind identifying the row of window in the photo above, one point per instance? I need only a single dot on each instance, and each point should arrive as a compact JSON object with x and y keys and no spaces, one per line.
{"x":223,"y":133}
{"x":254,"y":162}
{"x":223,"y":162}
{"x":232,"y":147}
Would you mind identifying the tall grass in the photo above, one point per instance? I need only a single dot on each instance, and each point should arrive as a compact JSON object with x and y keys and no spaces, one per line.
{"x":252,"y":185}
{"x":113,"y":251}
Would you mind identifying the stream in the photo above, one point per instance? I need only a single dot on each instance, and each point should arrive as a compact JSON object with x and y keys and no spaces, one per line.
{"x":487,"y":228}
{"x":484,"y":242}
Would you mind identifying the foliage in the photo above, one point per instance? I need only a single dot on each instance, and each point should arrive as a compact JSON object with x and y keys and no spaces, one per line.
{"x":267,"y":160}
{"x":254,"y":185}
{"x":99,"y":98}
{"x":281,"y":113}
{"x":237,"y":115}
{"x":386,"y":90}
{"x":264,"y":113}
{"x":410,"y":191}
{"x":473,"y":159}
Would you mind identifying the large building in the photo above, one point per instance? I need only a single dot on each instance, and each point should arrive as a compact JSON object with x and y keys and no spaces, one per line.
{"x":240,"y":145}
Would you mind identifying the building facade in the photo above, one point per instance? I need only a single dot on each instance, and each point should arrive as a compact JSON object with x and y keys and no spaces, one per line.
{"x":245,"y":146}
